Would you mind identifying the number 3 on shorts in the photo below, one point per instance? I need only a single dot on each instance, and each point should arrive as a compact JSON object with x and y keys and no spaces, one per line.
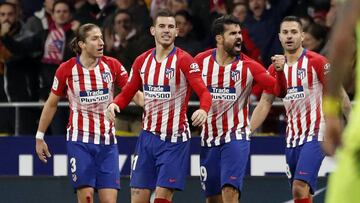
{"x":73,"y":164}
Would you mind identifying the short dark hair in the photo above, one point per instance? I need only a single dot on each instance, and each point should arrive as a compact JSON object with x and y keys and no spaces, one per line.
{"x":81,"y":35}
{"x":218,"y":24}
{"x":71,"y":8}
{"x":163,"y":13}
{"x":292,"y":19}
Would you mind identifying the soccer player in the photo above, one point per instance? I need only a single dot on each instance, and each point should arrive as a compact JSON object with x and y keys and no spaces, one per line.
{"x":167,"y":75}
{"x":305,"y":76}
{"x":344,"y":183}
{"x":88,"y":81}
{"x":229,"y":76}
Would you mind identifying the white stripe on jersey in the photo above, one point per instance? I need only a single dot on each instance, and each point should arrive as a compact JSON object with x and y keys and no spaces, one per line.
{"x":75,"y":104}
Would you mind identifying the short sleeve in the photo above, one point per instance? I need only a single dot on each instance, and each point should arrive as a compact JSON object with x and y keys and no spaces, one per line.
{"x":59,"y":84}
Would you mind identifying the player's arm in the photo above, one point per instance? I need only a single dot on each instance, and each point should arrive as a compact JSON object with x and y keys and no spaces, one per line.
{"x":339,"y":52}
{"x":126,"y":95}
{"x":261,"y":111}
{"x":46,"y":117}
{"x":339,"y":55}
{"x":139,"y":98}
{"x":192,"y":73}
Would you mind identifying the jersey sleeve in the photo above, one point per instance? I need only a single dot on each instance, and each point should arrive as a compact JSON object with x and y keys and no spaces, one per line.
{"x":131,"y":87}
{"x":59,"y":84}
{"x":321,"y":67}
{"x":272,"y":81}
{"x":192,"y":73}
{"x":121,"y":76}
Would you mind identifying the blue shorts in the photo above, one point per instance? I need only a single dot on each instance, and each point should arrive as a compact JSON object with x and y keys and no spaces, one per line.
{"x":93,"y":165}
{"x":223,"y":165}
{"x":303,"y":163}
{"x":159,"y":163}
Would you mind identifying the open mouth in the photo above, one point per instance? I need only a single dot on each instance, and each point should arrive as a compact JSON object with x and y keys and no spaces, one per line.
{"x":289,"y":43}
{"x":237,"y":46}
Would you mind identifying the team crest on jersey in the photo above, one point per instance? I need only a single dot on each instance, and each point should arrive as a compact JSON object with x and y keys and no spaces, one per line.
{"x":235,"y":75}
{"x":301,"y":73}
{"x":107,"y":77}
{"x":169,"y":73}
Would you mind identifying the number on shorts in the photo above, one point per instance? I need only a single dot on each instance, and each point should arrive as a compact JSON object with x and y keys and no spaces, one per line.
{"x":203,"y":173}
{"x":134,"y":162}
{"x":73,"y":164}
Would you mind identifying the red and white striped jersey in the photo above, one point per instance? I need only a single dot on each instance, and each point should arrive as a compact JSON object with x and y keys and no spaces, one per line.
{"x":166,"y":87}
{"x":89,"y":93}
{"x":230,"y":87}
{"x":303,"y":101}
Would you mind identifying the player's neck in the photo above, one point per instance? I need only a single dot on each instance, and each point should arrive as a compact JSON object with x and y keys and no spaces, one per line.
{"x":292,"y":57}
{"x":88,"y":62}
{"x":223,"y":58}
{"x":162,"y":52}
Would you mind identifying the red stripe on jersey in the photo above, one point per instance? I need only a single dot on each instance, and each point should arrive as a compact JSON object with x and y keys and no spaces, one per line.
{"x":236,"y":106}
{"x":82,"y":88}
{"x":209,"y":80}
{"x":90,"y":114}
{"x":146,"y":78}
{"x":169,"y":127}
{"x":166,"y":82}
{"x":224,"y":117}
{"x":318,"y":113}
{"x":298,"y":111}
{"x":244,"y":73}
{"x":307,"y":104}
{"x":291,"y":115}
{"x":101,"y":116}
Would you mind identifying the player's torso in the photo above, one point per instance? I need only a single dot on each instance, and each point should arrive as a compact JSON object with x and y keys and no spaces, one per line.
{"x":90,"y":90}
{"x":230,"y":87}
{"x":303,"y":100}
{"x":166,"y":94}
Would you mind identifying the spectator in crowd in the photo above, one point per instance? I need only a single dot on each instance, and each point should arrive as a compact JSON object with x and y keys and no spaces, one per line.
{"x":177,"y":5}
{"x":55,"y":50}
{"x":263,"y":25}
{"x":139,"y":12}
{"x":88,"y":12}
{"x":248,"y":46}
{"x":40,"y":20}
{"x":124,"y":42}
{"x":314,"y":37}
{"x":186,"y":39}
{"x":17,"y":40}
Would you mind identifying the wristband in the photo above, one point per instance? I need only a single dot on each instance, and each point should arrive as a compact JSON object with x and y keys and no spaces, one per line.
{"x":331,"y":106}
{"x":39,"y":135}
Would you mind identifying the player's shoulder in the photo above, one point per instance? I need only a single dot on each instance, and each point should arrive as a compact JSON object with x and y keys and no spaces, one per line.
{"x":182,"y":55}
{"x":201,"y":56}
{"x":67,"y":65}
{"x":315,"y":57}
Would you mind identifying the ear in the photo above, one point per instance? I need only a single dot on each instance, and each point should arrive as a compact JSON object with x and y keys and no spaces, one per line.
{"x":177,"y":32}
{"x":219,"y":39}
{"x":302,"y":36}
{"x":152,"y":30}
{"x":81,"y":44}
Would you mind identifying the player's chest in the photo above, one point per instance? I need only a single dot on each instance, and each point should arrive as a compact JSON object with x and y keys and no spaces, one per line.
{"x":91,"y":86}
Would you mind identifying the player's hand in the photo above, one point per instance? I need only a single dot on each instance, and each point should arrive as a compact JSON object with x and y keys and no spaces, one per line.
{"x":5,"y":28}
{"x":42,"y":150}
{"x":199,"y":117}
{"x":110,"y":112}
{"x":279,"y":62}
{"x":332,"y":137}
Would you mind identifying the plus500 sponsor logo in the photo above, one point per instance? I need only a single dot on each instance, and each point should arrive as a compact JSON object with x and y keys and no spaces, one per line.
{"x":225,"y":93}
{"x":157,"y":92}
{"x":295,"y":93}
{"x":94,"y":96}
